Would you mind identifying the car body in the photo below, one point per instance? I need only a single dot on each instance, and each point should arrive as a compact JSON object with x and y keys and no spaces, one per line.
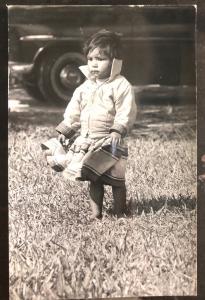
{"x":46,"y":47}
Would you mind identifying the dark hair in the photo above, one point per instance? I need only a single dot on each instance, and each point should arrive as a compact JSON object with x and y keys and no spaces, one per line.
{"x":109,"y":42}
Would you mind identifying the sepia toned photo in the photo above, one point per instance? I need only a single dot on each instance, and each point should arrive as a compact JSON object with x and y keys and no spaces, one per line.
{"x":102,"y":151}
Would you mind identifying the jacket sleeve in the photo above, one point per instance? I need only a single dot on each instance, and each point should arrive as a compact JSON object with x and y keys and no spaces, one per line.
{"x":126,"y":110}
{"x":71,"y":123}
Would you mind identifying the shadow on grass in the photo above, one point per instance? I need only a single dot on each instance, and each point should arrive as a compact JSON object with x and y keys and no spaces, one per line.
{"x":154,"y":205}
{"x":181,"y":203}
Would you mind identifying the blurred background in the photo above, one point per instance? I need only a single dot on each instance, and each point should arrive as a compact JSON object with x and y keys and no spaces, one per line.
{"x":45,"y":50}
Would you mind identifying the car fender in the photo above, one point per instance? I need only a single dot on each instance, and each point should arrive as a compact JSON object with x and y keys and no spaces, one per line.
{"x":42,"y":51}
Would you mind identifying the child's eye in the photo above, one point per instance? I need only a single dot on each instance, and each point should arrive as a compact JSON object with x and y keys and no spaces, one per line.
{"x":96,"y":58}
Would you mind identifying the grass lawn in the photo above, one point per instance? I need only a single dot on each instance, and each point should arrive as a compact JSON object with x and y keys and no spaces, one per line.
{"x":56,"y":252}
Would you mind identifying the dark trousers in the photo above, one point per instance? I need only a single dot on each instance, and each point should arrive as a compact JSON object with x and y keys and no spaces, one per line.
{"x":97,"y":195}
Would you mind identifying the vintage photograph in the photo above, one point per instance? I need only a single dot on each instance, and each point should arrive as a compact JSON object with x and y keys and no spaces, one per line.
{"x":102,"y":151}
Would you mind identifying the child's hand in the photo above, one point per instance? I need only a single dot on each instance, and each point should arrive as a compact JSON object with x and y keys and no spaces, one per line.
{"x":61,"y":138}
{"x":115,"y":138}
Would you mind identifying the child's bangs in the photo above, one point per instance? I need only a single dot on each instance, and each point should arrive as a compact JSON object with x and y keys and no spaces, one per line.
{"x":103,"y":50}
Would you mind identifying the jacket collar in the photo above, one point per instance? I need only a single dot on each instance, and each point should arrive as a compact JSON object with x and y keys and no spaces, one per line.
{"x":115,"y":69}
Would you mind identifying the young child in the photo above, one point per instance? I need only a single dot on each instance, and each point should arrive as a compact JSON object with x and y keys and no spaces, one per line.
{"x":102,"y":111}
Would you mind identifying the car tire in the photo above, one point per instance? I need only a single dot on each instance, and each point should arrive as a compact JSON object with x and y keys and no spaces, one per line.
{"x":33,"y":90}
{"x":59,"y":76}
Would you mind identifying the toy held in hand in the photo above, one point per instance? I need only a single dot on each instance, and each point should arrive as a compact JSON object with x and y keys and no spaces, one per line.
{"x":55,"y":154}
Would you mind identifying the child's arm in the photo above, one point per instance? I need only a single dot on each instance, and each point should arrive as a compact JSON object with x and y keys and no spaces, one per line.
{"x":71,"y":123}
{"x":126,"y":109}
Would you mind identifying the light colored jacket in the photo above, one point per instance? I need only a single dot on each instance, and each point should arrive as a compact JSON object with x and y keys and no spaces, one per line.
{"x":98,"y":108}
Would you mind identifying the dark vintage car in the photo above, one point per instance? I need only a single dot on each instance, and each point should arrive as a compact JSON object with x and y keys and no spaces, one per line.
{"x":45,"y":47}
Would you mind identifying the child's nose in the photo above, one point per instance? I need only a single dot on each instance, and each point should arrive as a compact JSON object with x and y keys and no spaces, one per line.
{"x":95,"y":63}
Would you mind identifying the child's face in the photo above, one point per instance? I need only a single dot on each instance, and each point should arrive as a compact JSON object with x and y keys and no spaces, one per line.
{"x":99,"y":64}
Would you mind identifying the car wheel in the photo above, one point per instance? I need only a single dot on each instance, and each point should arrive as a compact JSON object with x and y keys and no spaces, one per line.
{"x":33,"y":90}
{"x":59,"y":76}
